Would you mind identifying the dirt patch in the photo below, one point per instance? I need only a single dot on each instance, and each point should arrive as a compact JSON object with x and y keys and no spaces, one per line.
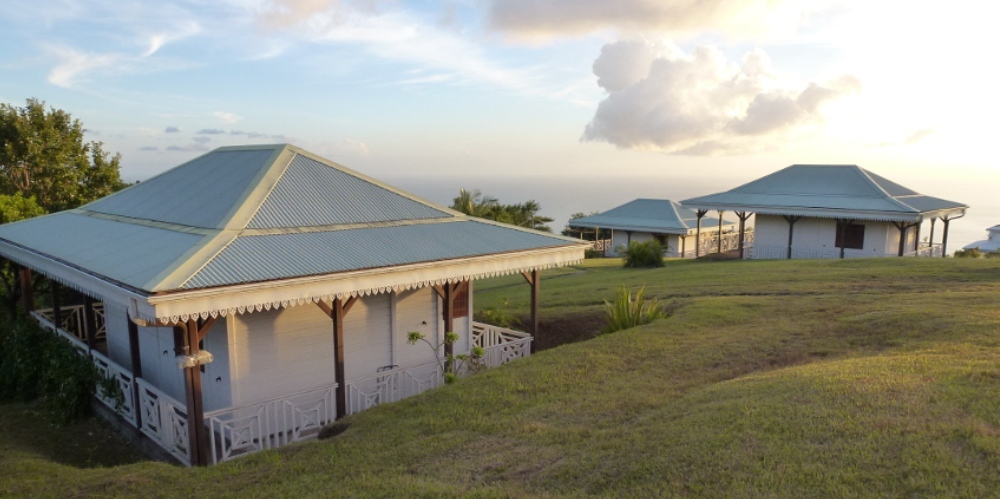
{"x":557,"y":331}
{"x":332,"y":430}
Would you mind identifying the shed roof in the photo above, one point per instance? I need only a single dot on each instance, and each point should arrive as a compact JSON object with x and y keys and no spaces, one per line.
{"x":661,"y":216}
{"x":830,"y":191}
{"x":250,"y":216}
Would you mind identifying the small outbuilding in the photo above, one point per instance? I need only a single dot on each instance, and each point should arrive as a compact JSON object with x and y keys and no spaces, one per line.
{"x":834,"y":211}
{"x":991,"y":243}
{"x":246,"y":298}
{"x":678,"y":229}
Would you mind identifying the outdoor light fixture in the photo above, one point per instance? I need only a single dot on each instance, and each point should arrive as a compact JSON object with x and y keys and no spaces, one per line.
{"x":199,"y":359}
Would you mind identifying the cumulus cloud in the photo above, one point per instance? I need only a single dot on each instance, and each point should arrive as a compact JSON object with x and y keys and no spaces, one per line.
{"x":149,"y":148}
{"x":257,"y":135}
{"x":171,"y":129}
{"x":546,"y":19}
{"x":201,"y":139}
{"x":661,"y":98}
{"x":210,"y":131}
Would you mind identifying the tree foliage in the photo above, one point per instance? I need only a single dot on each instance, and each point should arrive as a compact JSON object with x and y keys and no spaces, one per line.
{"x":46,"y":166}
{"x":475,"y":203}
{"x":585,"y":232}
{"x":43,"y":155}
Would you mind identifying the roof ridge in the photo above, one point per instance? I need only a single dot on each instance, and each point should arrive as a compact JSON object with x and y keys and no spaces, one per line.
{"x":864,"y":173}
{"x":677,"y":214}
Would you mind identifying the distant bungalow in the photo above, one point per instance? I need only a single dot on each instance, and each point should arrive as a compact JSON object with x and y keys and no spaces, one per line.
{"x":991,"y":243}
{"x":833,"y":211}
{"x":675,"y":227}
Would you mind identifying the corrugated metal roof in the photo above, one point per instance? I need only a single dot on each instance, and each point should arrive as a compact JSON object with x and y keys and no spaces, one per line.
{"x":200,"y":193}
{"x":280,"y":256}
{"x":651,"y":215}
{"x":123,"y":252}
{"x":311,"y":193}
{"x":842,"y":189}
{"x":257,"y":213}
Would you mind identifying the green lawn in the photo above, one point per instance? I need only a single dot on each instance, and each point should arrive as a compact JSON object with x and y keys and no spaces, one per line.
{"x":770,"y":378}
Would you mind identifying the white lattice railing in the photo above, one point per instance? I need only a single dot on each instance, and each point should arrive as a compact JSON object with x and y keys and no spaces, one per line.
{"x":46,"y":322}
{"x":392,"y":385}
{"x":73,"y":321}
{"x":164,"y":420}
{"x":244,"y":430}
{"x":781,"y":252}
{"x":926,"y":250}
{"x":123,"y":378}
{"x":501,"y":345}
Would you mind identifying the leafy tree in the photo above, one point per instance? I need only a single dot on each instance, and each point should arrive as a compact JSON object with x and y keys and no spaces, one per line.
{"x":475,"y":203}
{"x":43,"y":154}
{"x":45,"y":166}
{"x":585,"y":232}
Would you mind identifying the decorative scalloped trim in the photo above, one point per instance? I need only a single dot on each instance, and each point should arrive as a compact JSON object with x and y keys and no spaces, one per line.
{"x":173,"y":319}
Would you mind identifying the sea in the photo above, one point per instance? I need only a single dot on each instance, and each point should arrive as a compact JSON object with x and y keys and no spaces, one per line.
{"x":561,"y":197}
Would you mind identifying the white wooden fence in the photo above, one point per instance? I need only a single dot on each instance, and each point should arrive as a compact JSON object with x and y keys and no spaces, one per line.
{"x":501,"y":345}
{"x":164,"y":420}
{"x":239,"y":431}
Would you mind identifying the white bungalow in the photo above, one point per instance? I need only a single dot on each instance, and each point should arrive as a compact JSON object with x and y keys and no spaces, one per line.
{"x":991,"y":243}
{"x":250,"y":296}
{"x":834,"y":211}
{"x":676,"y":228}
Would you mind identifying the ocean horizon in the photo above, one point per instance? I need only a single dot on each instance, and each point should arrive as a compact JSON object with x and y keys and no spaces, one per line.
{"x":561,"y":197}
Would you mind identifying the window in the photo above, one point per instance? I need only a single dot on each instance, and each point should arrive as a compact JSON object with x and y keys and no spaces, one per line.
{"x":852,"y":238}
{"x":462,"y":301}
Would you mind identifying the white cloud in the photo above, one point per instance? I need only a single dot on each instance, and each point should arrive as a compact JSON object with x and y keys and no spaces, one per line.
{"x":553,"y":18}
{"x":225,"y":117}
{"x":74,"y":64}
{"x":663,"y":99}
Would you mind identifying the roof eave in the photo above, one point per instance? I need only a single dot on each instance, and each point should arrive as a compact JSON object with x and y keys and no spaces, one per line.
{"x":828,"y":212}
{"x":181,"y":305}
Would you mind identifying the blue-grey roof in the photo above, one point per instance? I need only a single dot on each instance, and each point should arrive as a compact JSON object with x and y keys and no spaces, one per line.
{"x":334,"y":197}
{"x":661,"y":216}
{"x":826,"y":190}
{"x":270,"y":257}
{"x":259,"y":213}
{"x":199,"y":193}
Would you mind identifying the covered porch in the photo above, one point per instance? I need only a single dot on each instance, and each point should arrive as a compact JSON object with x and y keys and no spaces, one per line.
{"x":237,"y":431}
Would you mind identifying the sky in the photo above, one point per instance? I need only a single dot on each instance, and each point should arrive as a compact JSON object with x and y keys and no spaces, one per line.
{"x":675,"y":98}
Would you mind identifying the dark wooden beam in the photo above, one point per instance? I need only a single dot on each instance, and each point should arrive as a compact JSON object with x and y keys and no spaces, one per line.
{"x":535,"y":281}
{"x":683,"y":238}
{"x":336,"y":311}
{"x":697,"y":238}
{"x":89,"y":322}
{"x":719,"y":247}
{"x":56,"y":304}
{"x":944,"y":236}
{"x":186,"y":342}
{"x":844,"y":225}
{"x":743,"y":216}
{"x":135,"y":356}
{"x":791,"y":219}
{"x":931,"y":239}
{"x":27,"y":290}
{"x":902,"y":226}
{"x":916,"y":238}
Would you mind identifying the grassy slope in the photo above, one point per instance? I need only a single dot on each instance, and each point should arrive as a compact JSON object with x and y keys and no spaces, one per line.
{"x":804,"y":378}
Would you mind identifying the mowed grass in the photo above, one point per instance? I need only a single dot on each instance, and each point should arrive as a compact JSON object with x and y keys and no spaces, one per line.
{"x":770,"y":379}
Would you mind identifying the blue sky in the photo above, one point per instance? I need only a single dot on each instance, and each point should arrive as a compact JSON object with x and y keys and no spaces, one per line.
{"x":712,"y":92}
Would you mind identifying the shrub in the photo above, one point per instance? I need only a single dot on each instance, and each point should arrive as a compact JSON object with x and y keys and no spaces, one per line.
{"x":592,"y":253}
{"x":499,"y":316}
{"x":629,"y":311}
{"x":37,"y":364}
{"x":968,"y":253}
{"x":646,"y":254}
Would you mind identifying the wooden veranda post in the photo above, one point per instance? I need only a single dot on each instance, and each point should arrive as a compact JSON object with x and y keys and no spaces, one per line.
{"x":135,"y":359}
{"x":535,"y":282}
{"x":56,"y":304}
{"x":844,"y":225}
{"x":187,"y":341}
{"x":944,"y":237}
{"x":89,"y":322}
{"x":27,"y":296}
{"x":743,"y":216}
{"x":697,"y":237}
{"x":916,"y":239}
{"x":791,"y":219}
{"x":336,"y":312}
{"x":447,"y":292}
{"x":719,"y":247}
{"x":930,"y":241}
